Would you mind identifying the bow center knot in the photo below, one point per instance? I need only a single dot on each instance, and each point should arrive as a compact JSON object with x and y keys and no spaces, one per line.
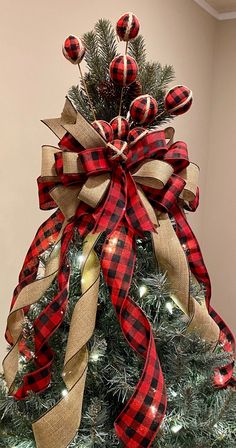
{"x":118,"y":150}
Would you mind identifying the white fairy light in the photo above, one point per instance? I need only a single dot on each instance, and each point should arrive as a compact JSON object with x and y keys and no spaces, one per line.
{"x":142,"y":291}
{"x":94,"y":357}
{"x":169,"y":307}
{"x":173,"y":393}
{"x":80,"y":260}
{"x":220,"y":430}
{"x":176,"y":428}
{"x":112,"y":244}
{"x":64,"y":392}
{"x":153,"y":410}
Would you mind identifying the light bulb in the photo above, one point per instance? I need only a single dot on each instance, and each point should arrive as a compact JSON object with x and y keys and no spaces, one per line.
{"x":173,"y":393}
{"x":64,"y":392}
{"x":94,"y":357}
{"x":176,"y":428}
{"x":142,"y":291}
{"x":80,"y":260}
{"x":169,"y":307}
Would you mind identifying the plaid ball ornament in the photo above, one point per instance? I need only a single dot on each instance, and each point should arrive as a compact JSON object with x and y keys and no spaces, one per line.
{"x":135,"y":135}
{"x":143,"y":109}
{"x":178,"y":100}
{"x":120,"y":127}
{"x":117,"y":150}
{"x":104,"y":129}
{"x":123,"y":70}
{"x":127,"y":26}
{"x":73,"y":49}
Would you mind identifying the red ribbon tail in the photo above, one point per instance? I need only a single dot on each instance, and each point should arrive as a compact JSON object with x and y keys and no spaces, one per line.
{"x":140,"y":420}
{"x":224,"y":375}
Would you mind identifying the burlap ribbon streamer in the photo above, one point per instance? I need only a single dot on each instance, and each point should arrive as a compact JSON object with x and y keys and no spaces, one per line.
{"x":29,"y":295}
{"x":57,"y":427}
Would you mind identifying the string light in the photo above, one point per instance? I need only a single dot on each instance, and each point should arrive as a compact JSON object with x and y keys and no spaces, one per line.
{"x":220,"y":430}
{"x":173,"y":393}
{"x":176,"y":428}
{"x":112,"y":244}
{"x":153,"y":410}
{"x":221,"y":378}
{"x":169,"y":307}
{"x":64,"y":392}
{"x":94,"y":357}
{"x":142,"y":291}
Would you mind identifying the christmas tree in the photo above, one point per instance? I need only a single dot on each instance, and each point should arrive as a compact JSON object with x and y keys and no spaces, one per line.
{"x":112,"y":337}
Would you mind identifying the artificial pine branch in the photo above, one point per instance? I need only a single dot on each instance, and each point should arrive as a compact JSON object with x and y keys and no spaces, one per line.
{"x":79,"y":100}
{"x":137,"y":49}
{"x":92,"y":56}
{"x":107,"y":43}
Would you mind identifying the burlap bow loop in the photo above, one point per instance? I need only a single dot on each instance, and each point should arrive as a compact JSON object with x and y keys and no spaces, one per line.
{"x":162,"y":170}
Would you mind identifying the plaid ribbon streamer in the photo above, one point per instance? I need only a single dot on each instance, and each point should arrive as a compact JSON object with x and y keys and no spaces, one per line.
{"x":224,"y":375}
{"x":46,"y":324}
{"x":122,"y":216}
{"x":139,"y":421}
{"x":44,"y":238}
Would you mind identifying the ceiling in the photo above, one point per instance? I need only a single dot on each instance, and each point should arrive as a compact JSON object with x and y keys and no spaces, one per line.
{"x":222,"y":6}
{"x":220,"y":9}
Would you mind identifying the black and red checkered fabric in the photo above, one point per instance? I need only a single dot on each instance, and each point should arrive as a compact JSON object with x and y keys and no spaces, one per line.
{"x":122,"y":216}
{"x":127,"y":26}
{"x":46,"y":324}
{"x":135,"y":135}
{"x":143,"y":109}
{"x":120,"y":127}
{"x":123,"y":70}
{"x":73,"y":49}
{"x":178,"y":100}
{"x":142,"y":415}
{"x":104,"y":129}
{"x":223,"y":376}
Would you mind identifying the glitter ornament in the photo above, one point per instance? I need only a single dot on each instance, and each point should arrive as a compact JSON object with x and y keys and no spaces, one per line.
{"x":120,"y":127}
{"x":127,"y":26}
{"x":104,"y":129}
{"x":123,"y":70}
{"x":178,"y":100}
{"x":143,"y":109}
{"x":73,"y":49}
{"x":135,"y":135}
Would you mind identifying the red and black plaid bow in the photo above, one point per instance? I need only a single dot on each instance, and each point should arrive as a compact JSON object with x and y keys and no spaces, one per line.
{"x":121,"y":215}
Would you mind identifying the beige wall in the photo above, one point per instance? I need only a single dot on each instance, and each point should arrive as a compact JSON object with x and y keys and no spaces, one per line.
{"x":219,"y":211}
{"x":35,"y":78}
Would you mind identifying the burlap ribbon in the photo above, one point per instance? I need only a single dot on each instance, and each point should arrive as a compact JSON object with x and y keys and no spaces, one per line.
{"x":57,"y":427}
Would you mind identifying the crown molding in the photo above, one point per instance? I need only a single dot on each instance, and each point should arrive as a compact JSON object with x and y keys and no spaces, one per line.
{"x":214,"y":12}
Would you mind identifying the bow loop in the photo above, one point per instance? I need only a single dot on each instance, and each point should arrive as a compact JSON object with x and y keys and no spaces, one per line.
{"x":165,"y":198}
{"x":153,"y":173}
{"x":94,"y":160}
{"x":151,"y":146}
{"x":177,"y":156}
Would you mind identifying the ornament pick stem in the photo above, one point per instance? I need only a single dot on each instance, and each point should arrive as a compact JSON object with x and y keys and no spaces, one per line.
{"x":127,"y":28}
{"x":87,"y":93}
{"x":122,"y":90}
{"x":74,"y":50}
